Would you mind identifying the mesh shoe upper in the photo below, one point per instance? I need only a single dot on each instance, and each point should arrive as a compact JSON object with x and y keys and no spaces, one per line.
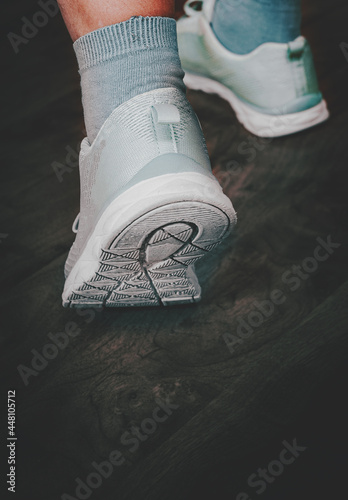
{"x":129,"y":140}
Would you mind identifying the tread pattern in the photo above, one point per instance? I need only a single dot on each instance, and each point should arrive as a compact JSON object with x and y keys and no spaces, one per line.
{"x":159,"y":269}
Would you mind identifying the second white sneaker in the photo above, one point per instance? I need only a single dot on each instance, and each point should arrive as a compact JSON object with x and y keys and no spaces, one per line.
{"x":273,"y":89}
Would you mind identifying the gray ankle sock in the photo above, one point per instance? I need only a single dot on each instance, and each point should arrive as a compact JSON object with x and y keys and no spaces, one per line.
{"x":241,"y":26}
{"x":121,"y":61}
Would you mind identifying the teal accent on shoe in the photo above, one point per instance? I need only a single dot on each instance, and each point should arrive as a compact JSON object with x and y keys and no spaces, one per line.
{"x":299,"y":104}
{"x":170,"y":163}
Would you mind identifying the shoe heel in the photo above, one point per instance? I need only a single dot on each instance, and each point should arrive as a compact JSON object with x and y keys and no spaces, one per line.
{"x":143,"y":252}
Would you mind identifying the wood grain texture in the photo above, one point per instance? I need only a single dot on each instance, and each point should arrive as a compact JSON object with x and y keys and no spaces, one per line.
{"x":286,"y":380}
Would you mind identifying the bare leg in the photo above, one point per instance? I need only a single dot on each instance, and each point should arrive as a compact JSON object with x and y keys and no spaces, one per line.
{"x":84,"y":16}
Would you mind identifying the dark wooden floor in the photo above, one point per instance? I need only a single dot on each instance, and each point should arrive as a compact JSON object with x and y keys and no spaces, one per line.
{"x":286,"y":380}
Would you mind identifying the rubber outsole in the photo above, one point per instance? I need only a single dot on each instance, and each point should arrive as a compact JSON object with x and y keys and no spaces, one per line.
{"x":151,"y":261}
{"x":260,"y":124}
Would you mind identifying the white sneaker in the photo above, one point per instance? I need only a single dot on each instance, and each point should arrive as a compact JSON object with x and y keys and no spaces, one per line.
{"x":150,"y":207}
{"x":273,"y":89}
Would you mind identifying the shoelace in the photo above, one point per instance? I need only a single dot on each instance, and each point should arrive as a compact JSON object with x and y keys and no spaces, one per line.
{"x":192,"y":8}
{"x":75,"y":225}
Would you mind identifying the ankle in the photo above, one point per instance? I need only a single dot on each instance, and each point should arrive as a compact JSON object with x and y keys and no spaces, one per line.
{"x":121,"y":61}
{"x":243,"y":26}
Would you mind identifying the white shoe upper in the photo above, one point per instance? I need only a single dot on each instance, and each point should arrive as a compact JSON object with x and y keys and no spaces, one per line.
{"x":152,"y":134}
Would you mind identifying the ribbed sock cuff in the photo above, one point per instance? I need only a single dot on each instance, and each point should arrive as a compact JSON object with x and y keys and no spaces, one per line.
{"x":138,"y":33}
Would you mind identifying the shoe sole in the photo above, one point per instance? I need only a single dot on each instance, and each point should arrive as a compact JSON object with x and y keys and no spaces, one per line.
{"x":260,"y":124}
{"x":150,"y":260}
